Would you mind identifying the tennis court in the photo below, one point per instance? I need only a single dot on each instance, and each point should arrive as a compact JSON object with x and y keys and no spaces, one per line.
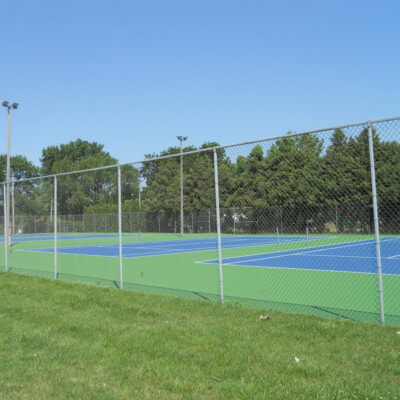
{"x":323,"y":274}
{"x":359,"y":257}
{"x":169,"y":247}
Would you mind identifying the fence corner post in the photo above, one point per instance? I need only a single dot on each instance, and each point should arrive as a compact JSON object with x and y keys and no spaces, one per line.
{"x":376,"y":223}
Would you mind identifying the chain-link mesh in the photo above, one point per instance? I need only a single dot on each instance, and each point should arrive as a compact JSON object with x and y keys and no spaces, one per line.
{"x":387,"y":164}
{"x":31,"y":226}
{"x":305,"y":202}
{"x":3,"y":260}
{"x":158,"y":255}
{"x":87,"y":240}
{"x":297,"y":223}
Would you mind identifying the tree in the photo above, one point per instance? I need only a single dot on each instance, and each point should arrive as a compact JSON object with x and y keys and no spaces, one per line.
{"x":28,"y":197}
{"x":249,"y":185}
{"x":87,"y":191}
{"x":162,"y":190}
{"x":20,"y":167}
{"x":76,"y":155}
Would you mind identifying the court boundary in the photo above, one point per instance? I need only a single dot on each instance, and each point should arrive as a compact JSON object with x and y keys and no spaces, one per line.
{"x":59,"y":251}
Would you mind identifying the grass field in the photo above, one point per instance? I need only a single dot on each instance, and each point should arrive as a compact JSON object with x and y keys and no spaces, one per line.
{"x":62,"y":340}
{"x":322,"y":292}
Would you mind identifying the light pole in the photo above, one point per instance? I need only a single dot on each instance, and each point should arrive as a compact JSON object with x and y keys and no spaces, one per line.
{"x":13,"y":206}
{"x":182,"y":139}
{"x":140,"y":195}
{"x":9,"y":107}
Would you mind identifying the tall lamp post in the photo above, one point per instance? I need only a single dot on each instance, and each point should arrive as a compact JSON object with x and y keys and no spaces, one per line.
{"x":9,"y":107}
{"x":182,"y":139}
{"x":13,"y":205}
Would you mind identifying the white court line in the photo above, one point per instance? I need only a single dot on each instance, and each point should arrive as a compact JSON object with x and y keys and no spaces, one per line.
{"x":201,"y":241}
{"x":301,"y":269}
{"x":252,"y":240}
{"x":50,"y":238}
{"x":51,"y":251}
{"x":334,"y":255}
{"x":125,"y":254}
{"x":130,"y":244}
{"x":158,"y":248}
{"x":284,"y":253}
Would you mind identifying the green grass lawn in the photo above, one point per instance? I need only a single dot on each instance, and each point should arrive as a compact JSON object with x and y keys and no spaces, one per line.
{"x":62,"y":340}
{"x":339,"y":294}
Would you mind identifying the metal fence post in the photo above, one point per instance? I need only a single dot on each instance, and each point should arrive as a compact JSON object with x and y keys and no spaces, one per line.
{"x":221,"y":277}
{"x":121,"y":280}
{"x":5,"y":227}
{"x":55,"y":227}
{"x":336,"y":218}
{"x":376,"y":223}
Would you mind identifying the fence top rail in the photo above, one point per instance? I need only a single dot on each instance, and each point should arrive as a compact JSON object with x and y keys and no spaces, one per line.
{"x":332,"y":128}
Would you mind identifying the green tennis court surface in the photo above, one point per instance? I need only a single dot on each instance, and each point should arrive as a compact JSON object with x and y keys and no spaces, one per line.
{"x":324,"y":275}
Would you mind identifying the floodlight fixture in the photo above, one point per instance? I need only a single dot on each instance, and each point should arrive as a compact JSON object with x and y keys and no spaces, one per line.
{"x":9,"y":106}
{"x":181,"y":138}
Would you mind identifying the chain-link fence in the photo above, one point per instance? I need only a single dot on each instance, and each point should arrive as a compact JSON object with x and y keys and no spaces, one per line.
{"x":306,"y":222}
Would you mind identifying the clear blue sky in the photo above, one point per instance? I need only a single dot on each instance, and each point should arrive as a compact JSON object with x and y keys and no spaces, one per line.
{"x":134,"y":74}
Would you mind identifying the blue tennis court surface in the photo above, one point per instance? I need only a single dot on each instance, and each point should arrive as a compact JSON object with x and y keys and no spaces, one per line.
{"x":345,"y":257}
{"x":165,"y":247}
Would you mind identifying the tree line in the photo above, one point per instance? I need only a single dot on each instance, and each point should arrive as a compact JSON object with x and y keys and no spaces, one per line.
{"x":298,"y":180}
